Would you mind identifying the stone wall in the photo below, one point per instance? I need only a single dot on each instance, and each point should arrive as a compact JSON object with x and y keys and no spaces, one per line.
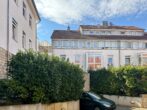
{"x":3,"y":63}
{"x":87,"y":82}
{"x":72,"y":105}
{"x":144,"y":100}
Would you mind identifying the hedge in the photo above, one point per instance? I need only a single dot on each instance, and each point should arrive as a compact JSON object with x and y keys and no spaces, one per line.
{"x":127,"y":80}
{"x":39,"y":78}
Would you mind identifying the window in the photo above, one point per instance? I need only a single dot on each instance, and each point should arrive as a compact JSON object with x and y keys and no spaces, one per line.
{"x":127,"y":60}
{"x":114,"y":45}
{"x":66,"y":44}
{"x":23,"y":39}
{"x":94,"y":61}
{"x":75,"y":44}
{"x":110,"y":60}
{"x":81,"y":44}
{"x":30,"y":43}
{"x":144,"y":59}
{"x":122,"y":32}
{"x":101,"y":44}
{"x":14,"y":29}
{"x":96,"y":44}
{"x":88,"y":44}
{"x":63,"y":57}
{"x":145,"y":45}
{"x":77,"y":59}
{"x":30,"y":20}
{"x":91,"y":32}
{"x":135,"y":45}
{"x":57,"y":44}
{"x":128,"y":44}
{"x":24,"y":10}
{"x":108,"y":44}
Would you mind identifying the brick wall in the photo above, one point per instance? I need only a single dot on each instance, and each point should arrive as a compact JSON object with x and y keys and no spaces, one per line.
{"x":3,"y":63}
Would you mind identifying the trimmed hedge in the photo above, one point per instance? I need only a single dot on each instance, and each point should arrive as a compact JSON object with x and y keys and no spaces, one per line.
{"x":36,"y":77}
{"x":127,"y":80}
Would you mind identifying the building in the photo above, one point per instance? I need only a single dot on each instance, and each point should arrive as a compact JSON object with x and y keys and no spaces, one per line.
{"x":98,"y":46}
{"x":18,"y":29}
{"x":45,"y":47}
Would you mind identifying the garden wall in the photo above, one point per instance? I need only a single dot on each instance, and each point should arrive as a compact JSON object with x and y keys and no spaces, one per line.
{"x":73,"y":105}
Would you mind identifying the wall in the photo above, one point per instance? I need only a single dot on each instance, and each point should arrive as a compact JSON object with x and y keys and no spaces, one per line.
{"x":23,"y":25}
{"x":70,"y":53}
{"x":126,"y":101}
{"x":15,"y":11}
{"x":3,"y":24}
{"x":87,"y":82}
{"x":73,"y":105}
{"x":144,"y":100}
{"x":3,"y":63}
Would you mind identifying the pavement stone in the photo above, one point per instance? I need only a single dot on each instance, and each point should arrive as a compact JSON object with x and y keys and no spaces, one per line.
{"x":129,"y":108}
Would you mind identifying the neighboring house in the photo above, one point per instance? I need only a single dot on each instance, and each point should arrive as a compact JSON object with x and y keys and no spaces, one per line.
{"x":98,"y":46}
{"x":45,"y":47}
{"x":18,"y":29}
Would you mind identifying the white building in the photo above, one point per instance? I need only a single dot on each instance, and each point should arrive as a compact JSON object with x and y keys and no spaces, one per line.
{"x":18,"y":28}
{"x":45,"y":47}
{"x":98,"y":46}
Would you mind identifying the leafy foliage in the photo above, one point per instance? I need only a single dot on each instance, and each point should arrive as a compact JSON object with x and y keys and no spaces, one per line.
{"x":127,"y":80}
{"x":36,"y":77}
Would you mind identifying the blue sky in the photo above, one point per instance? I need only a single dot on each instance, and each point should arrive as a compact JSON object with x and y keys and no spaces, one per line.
{"x":57,"y":14}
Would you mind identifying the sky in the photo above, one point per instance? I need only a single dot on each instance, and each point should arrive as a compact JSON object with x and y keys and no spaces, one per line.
{"x":58,"y":14}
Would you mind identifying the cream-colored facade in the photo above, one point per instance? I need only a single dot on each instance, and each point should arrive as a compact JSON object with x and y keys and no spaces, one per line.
{"x":102,"y":46}
{"x":18,"y":27}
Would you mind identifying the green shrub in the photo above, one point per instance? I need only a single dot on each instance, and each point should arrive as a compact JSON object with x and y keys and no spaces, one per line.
{"x":43,"y":78}
{"x":127,"y":80}
{"x":11,"y":92}
{"x":103,"y":82}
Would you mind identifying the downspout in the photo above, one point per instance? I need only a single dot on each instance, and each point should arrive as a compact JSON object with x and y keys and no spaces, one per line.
{"x":7,"y":34}
{"x":36,"y":37}
{"x":119,"y":47}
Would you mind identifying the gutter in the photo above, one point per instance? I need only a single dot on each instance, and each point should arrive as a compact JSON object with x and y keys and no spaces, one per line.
{"x":36,"y":10}
{"x":7,"y":34}
{"x":36,"y":42}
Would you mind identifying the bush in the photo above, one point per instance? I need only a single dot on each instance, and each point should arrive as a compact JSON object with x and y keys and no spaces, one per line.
{"x":103,"y":82}
{"x":43,"y":78}
{"x":127,"y":80}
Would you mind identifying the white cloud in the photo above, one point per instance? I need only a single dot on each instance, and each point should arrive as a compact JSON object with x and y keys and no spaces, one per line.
{"x":69,"y":11}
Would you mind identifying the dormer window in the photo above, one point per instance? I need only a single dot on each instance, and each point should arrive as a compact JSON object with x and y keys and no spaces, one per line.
{"x":91,"y":32}
{"x":122,"y":32}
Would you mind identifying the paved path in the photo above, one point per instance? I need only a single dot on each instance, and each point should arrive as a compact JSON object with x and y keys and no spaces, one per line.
{"x":129,"y":108}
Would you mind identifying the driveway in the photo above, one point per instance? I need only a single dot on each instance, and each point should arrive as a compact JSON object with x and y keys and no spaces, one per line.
{"x":129,"y":108}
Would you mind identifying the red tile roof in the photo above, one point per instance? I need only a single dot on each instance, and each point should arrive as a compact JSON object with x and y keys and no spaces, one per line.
{"x":64,"y":34}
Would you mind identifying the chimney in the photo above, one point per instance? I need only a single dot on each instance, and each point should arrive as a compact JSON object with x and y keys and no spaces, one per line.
{"x":111,"y":24}
{"x":68,"y":28}
{"x":105,"y":23}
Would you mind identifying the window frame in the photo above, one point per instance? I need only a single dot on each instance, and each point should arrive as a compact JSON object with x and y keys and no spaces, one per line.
{"x":30,"y":20}
{"x":23,"y":40}
{"x":24,"y":9}
{"x":30,"y":44}
{"x":126,"y":58}
{"x":14,"y":29}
